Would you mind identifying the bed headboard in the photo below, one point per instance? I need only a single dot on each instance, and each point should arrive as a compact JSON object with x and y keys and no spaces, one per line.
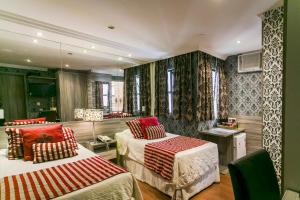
{"x":82,"y":129}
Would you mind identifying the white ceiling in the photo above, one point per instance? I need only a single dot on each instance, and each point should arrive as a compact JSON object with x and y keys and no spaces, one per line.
{"x":149,"y":30}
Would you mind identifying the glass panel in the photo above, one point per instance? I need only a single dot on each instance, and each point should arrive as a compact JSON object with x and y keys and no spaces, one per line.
{"x":105,"y":89}
{"x":105,"y":101}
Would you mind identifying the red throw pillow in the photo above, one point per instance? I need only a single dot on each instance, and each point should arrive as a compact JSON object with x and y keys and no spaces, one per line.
{"x":147,"y":121}
{"x":44,"y":152}
{"x":155,"y":132}
{"x":46,"y":134}
{"x":41,"y":119}
{"x":135,"y":128}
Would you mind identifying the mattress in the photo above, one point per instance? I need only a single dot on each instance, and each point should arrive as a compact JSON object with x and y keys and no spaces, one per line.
{"x":189,"y":165}
{"x":121,"y":186}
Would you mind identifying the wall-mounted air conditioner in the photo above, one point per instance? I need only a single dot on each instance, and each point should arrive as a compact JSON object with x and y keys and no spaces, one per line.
{"x":249,"y":62}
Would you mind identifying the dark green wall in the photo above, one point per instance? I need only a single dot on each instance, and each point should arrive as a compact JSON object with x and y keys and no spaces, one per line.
{"x":291,"y":121}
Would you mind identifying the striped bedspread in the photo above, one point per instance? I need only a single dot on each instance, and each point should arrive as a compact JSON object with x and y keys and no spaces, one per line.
{"x":159,"y":156}
{"x":59,"y":180}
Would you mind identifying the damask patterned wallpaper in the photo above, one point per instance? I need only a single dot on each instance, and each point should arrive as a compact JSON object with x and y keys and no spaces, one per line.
{"x":273,"y":21}
{"x":244,"y":89}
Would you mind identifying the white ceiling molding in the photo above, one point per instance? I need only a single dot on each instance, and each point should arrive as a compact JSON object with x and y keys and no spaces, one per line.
{"x":18,"y":19}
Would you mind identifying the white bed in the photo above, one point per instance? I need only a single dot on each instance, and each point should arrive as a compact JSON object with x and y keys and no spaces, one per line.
{"x":194,"y":169}
{"x":121,"y":186}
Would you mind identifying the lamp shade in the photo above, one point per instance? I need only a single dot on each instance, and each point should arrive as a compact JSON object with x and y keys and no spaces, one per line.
{"x":78,"y":113}
{"x":1,"y":114}
{"x":93,"y":115}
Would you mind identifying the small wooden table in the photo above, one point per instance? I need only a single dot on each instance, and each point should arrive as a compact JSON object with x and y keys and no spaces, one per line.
{"x":224,"y":139}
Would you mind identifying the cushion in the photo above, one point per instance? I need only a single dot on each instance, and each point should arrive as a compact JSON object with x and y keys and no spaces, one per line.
{"x":30,"y":121}
{"x":43,"y":134}
{"x":43,"y":152}
{"x":135,"y":128}
{"x":15,"y":143}
{"x":69,"y":135}
{"x":147,"y":121}
{"x":155,"y":132}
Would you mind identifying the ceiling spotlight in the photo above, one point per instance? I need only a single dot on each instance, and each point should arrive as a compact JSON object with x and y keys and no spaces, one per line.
{"x":66,"y":65}
{"x":120,"y":58}
{"x":111,"y":27}
{"x":28,"y":60}
{"x":238,"y":42}
{"x":93,"y":47}
{"x":129,"y":55}
{"x":39,"y":34}
{"x":84,"y":51}
{"x":35,"y":41}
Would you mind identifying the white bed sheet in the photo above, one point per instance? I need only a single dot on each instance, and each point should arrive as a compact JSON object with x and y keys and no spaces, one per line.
{"x":189,"y":165}
{"x":121,"y":186}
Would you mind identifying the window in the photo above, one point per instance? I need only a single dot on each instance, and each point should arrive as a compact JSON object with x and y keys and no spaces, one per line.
{"x":170,"y":89}
{"x":137,"y":89}
{"x":117,"y":96}
{"x":105,"y":95}
{"x":215,"y":84}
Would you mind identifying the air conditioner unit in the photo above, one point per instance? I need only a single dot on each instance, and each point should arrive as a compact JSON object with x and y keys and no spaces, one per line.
{"x":249,"y":62}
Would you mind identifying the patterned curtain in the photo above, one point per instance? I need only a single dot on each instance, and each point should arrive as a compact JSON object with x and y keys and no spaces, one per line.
{"x":145,"y":88}
{"x":223,"y":94}
{"x":129,"y":78}
{"x":99,"y":94}
{"x":205,"y":89}
{"x":184,"y":83}
{"x":161,"y":107}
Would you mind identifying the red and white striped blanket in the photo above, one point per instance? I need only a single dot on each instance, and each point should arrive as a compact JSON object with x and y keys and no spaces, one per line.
{"x":159,"y":156}
{"x":59,"y":180}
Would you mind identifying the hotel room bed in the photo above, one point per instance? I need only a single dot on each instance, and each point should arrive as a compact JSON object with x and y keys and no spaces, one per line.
{"x":121,"y":186}
{"x":193,"y":169}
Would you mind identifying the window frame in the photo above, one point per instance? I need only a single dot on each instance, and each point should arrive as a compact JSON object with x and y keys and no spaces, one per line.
{"x":105,"y":96}
{"x":170,"y":89}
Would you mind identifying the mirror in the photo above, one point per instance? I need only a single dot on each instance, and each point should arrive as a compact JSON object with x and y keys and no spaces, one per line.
{"x":45,"y":78}
{"x":28,"y":67}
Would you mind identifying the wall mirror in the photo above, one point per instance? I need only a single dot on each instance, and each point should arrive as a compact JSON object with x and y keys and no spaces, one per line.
{"x":44,"y":77}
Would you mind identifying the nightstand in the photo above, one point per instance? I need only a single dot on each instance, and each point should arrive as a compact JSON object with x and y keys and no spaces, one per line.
{"x":107,"y":150}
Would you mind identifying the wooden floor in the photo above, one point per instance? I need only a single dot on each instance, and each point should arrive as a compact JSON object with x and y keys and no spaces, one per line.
{"x":217,"y":191}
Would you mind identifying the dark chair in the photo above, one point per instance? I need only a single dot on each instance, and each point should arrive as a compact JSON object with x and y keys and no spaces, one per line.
{"x":253,"y":177}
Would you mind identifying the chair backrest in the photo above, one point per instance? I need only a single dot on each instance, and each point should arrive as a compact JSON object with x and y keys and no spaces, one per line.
{"x":253,"y":177}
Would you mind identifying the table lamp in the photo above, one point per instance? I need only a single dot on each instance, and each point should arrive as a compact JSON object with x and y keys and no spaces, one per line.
{"x":78,"y":113}
{"x":93,"y":115}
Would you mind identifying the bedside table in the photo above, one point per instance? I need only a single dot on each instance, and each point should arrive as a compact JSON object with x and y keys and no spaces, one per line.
{"x":107,"y":150}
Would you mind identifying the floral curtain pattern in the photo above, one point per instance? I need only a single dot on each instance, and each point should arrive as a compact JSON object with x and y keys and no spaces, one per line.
{"x":223,"y":92}
{"x":205,"y":89}
{"x":161,"y":88}
{"x":130,"y":90}
{"x":99,"y":94}
{"x":184,"y":84}
{"x":145,"y":89}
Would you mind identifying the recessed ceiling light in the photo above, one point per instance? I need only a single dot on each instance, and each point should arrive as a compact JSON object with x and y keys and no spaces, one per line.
{"x":238,"y":42}
{"x":66,"y":65}
{"x":111,"y":27}
{"x":39,"y":34}
{"x":28,"y":60}
{"x":120,"y":58}
{"x":35,"y":41}
{"x":130,"y":55}
{"x":84,"y":51}
{"x":93,"y":47}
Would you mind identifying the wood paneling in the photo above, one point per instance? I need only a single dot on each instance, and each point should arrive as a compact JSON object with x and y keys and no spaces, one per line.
{"x":73,"y":93}
{"x":217,"y":191}
{"x":253,"y":128}
{"x":12,"y":96}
